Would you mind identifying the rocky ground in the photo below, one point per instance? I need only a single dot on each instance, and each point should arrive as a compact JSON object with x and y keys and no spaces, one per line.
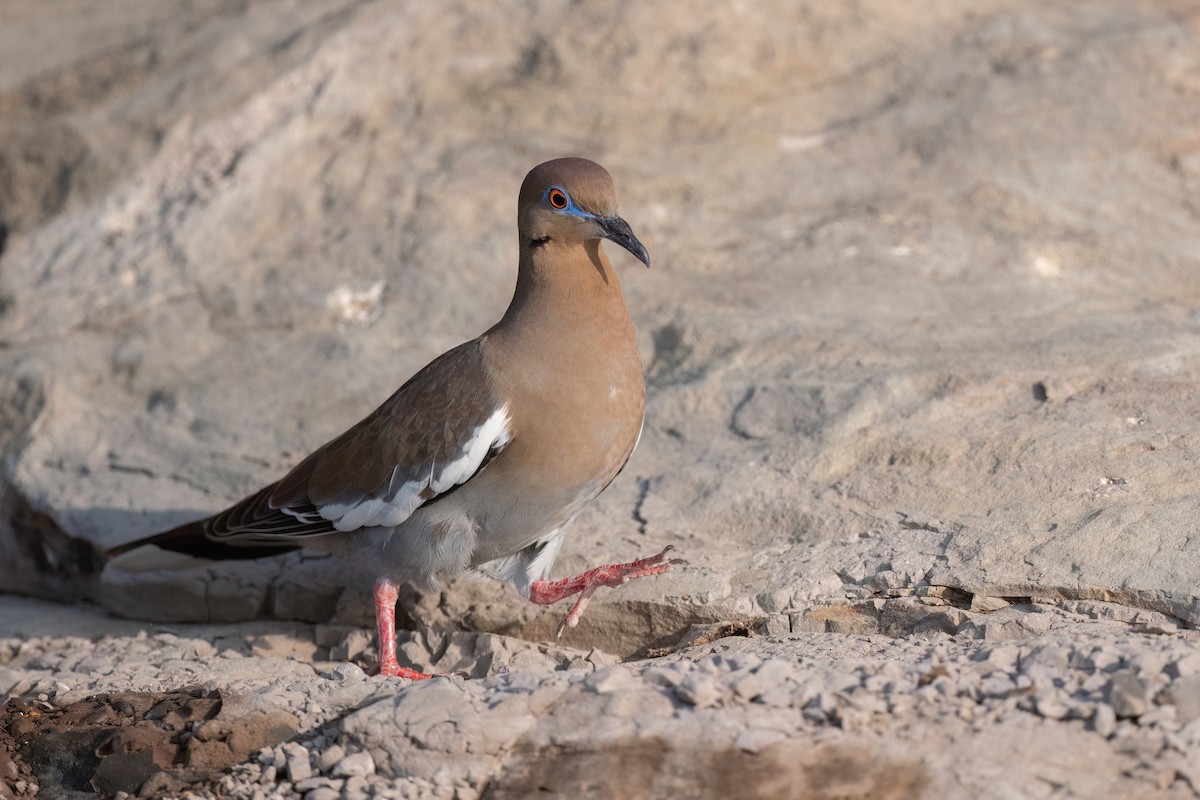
{"x":1088,"y":707}
{"x":922,"y":338}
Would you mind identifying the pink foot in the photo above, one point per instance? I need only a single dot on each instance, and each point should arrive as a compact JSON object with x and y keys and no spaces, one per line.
{"x":386,"y":594}
{"x":394,"y":670}
{"x":585,"y":585}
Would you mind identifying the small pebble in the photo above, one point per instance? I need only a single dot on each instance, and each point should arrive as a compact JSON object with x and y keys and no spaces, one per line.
{"x":1184,"y":694}
{"x":698,"y":690}
{"x":299,"y":768}
{"x":319,"y":783}
{"x":1127,"y":694}
{"x":609,"y":680}
{"x":331,"y":756}
{"x":1050,"y":706}
{"x":1004,"y":656}
{"x":1104,"y":720}
{"x":355,"y":764}
{"x":742,"y":661}
{"x":1161,"y":716}
{"x":356,"y":787}
{"x":662,"y":676}
{"x":779,"y":697}
{"x":998,"y":684}
{"x":322,"y":793}
{"x":1184,"y":667}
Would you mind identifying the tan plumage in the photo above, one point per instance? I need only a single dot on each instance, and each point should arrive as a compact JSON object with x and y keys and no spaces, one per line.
{"x":481,"y":459}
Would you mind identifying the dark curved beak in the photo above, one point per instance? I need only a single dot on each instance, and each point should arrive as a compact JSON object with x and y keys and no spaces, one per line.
{"x":617,"y":230}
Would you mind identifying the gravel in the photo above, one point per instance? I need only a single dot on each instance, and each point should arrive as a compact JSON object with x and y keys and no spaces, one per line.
{"x":943,"y":706}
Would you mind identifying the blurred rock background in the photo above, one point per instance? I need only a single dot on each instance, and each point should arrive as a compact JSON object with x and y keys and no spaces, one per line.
{"x":922,"y":335}
{"x":922,"y":341}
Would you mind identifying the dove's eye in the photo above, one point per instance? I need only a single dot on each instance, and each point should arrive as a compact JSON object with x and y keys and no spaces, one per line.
{"x":558,"y":198}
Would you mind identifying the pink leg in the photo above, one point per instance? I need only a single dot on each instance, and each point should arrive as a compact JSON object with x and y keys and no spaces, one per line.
{"x":585,"y":585}
{"x":386,"y":594}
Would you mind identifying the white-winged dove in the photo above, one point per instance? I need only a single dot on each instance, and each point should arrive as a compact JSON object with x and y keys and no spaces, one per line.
{"x":481,"y":459}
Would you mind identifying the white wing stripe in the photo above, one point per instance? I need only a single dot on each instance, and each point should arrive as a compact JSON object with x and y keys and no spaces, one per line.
{"x":356,"y":516}
{"x":399,"y":501}
{"x":494,"y":432}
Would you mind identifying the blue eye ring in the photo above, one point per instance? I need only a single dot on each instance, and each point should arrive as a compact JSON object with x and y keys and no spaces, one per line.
{"x":557,"y":198}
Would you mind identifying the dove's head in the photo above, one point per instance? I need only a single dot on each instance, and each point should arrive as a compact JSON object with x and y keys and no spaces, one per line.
{"x":572,"y":201}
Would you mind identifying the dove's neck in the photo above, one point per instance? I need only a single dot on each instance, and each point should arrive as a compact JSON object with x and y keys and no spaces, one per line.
{"x":567,"y":291}
{"x":568,"y":323}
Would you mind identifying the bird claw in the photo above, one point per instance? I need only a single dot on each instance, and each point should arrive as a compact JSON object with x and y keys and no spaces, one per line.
{"x":586,"y":584}
{"x":394,"y":670}
{"x":572,"y":617}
